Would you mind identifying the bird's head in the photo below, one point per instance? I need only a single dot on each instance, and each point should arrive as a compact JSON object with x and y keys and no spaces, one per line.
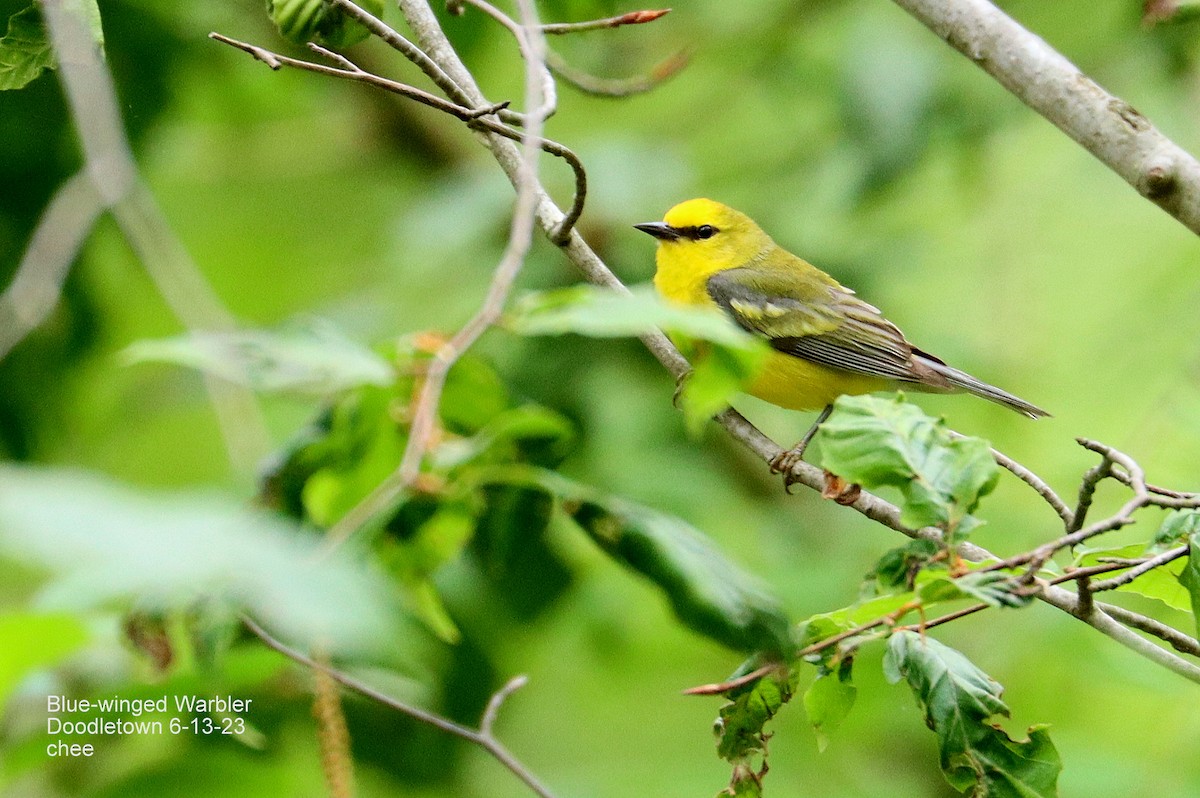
{"x":711,"y":235}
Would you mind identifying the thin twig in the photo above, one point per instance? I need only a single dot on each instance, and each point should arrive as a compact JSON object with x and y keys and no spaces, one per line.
{"x":549,"y":91}
{"x":947,"y":618}
{"x":631,"y":18}
{"x":1134,"y":573}
{"x":37,"y":284}
{"x":477,"y":118}
{"x":617,"y":87}
{"x":1169,"y":634}
{"x":1087,"y":491}
{"x":481,"y":737}
{"x":1032,"y":480}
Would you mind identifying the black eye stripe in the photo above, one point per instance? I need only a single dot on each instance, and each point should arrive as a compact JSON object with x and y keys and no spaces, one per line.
{"x":697,"y":232}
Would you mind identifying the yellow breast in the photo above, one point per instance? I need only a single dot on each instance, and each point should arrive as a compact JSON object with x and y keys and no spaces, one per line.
{"x":785,"y":380}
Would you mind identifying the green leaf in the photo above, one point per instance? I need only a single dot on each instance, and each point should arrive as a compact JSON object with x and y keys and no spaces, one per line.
{"x":741,"y":739}
{"x":35,"y":640}
{"x":529,"y":433}
{"x":302,"y":21}
{"x":1177,"y":527}
{"x":991,"y":587}
{"x":314,"y":360}
{"x":708,"y":593}
{"x":512,"y":549}
{"x":102,"y":542}
{"x":25,"y":51}
{"x":724,"y":357}
{"x":898,"y":568}
{"x":958,"y":699}
{"x":878,"y":442}
{"x":603,"y":313}
{"x":1190,"y":576}
{"x":829,"y":700}
{"x":718,"y":374}
{"x":415,"y":559}
{"x":1161,"y":584}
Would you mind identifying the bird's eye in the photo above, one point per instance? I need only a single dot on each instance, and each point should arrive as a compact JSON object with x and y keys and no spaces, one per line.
{"x":706,"y":231}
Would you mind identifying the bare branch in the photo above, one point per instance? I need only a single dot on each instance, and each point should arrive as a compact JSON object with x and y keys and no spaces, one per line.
{"x":631,"y":18}
{"x":1135,"y":572}
{"x":1043,"y":79}
{"x":497,"y":700}
{"x":617,"y":87}
{"x":1177,"y":639}
{"x":37,"y":285}
{"x":1032,"y":480}
{"x":481,"y":737}
{"x":528,"y":54}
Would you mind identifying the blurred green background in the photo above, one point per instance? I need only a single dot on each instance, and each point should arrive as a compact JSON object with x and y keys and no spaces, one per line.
{"x":856,"y":138}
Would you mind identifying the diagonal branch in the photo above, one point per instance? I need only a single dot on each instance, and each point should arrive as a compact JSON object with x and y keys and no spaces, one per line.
{"x":1105,"y":125}
{"x":483,"y":736}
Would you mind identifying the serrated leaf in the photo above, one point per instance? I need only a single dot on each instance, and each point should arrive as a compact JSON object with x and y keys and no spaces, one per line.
{"x":718,"y":374}
{"x":724,"y":357}
{"x":740,"y":729}
{"x":603,"y":313}
{"x":316,"y":360}
{"x":1189,"y":578}
{"x":102,"y":542}
{"x":1177,"y":527}
{"x":25,"y":51}
{"x":880,"y":442}
{"x":958,"y":698}
{"x":829,"y":700}
{"x":1161,"y":584}
{"x":991,"y":587}
{"x":708,"y":593}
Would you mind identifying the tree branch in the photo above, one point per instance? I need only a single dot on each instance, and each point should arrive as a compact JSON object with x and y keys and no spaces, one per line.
{"x":482,"y":736}
{"x":1106,"y":126}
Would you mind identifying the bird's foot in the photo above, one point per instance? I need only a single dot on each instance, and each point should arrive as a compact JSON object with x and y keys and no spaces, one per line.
{"x":843,"y":492}
{"x":786,"y":461}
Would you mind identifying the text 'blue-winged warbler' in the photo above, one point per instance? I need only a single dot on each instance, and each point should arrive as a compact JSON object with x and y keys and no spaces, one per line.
{"x":827,"y":342}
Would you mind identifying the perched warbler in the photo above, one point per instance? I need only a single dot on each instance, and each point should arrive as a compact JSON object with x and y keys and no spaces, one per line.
{"x":827,"y":342}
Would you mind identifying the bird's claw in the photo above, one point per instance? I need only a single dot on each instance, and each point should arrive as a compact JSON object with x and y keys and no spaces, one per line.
{"x":785,"y":463}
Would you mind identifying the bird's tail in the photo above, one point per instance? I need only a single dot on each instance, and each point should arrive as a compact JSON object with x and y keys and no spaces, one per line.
{"x":964,"y":381}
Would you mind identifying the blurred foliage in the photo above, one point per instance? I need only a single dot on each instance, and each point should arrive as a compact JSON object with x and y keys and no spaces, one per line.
{"x":856,"y":138}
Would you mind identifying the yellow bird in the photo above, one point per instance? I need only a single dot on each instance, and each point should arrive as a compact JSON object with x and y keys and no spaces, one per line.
{"x":827,"y":341}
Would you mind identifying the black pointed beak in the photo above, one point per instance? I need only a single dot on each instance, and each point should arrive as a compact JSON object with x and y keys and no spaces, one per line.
{"x":660,"y":230}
